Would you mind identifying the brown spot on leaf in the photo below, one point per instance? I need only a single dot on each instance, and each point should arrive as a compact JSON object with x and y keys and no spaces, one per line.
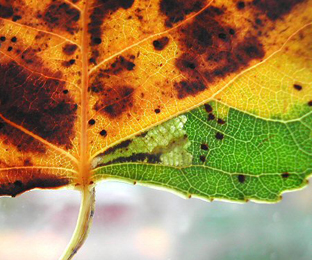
{"x":160,"y":43}
{"x":27,"y":162}
{"x":62,"y":16}
{"x":69,"y":49}
{"x":114,"y":102}
{"x":119,"y":65}
{"x":29,"y":57}
{"x":310,"y":103}
{"x":36,"y":103}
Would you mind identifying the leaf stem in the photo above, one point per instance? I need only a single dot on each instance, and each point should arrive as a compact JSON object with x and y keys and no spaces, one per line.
{"x":83,"y":223}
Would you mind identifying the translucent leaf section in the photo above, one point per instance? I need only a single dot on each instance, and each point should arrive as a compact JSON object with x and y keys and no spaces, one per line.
{"x":234,"y":155}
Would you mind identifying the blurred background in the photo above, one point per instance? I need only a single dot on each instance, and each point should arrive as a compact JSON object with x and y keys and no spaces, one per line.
{"x":133,"y":222}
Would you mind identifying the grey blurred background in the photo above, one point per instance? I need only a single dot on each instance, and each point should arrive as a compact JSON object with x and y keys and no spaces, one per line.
{"x":133,"y":222}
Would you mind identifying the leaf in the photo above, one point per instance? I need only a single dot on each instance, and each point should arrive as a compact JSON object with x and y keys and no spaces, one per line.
{"x":204,"y":98}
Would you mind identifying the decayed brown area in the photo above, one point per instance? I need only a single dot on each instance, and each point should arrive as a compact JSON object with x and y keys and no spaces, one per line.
{"x":38,"y":105}
{"x":77,"y":77}
{"x":195,"y":49}
{"x":17,"y":181}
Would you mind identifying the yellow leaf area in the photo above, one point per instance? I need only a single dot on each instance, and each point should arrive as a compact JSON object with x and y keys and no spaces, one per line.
{"x":77,"y":77}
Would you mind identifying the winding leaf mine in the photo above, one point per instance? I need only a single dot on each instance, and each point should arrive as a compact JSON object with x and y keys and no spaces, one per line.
{"x":205,"y":98}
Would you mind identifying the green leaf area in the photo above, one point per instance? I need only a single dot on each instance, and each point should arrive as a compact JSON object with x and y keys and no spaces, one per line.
{"x":216,"y":152}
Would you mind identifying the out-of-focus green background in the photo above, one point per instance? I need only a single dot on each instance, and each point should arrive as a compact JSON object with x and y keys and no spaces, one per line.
{"x":133,"y":222}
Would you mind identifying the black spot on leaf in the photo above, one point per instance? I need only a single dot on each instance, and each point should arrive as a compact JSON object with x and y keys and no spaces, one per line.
{"x":285,"y":175}
{"x":241,"y":178}
{"x":297,"y":87}
{"x":204,"y":147}
{"x":160,"y":43}
{"x":211,"y":117}
{"x":91,"y":122}
{"x":208,"y":108}
{"x":103,"y":133}
{"x":219,"y":136}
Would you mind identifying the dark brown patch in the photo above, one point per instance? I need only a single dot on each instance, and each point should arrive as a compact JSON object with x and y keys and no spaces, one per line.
{"x":310,"y":103}
{"x":2,"y":38}
{"x":62,"y":16}
{"x":208,"y":108}
{"x":29,"y":57}
{"x":189,"y":88}
{"x":157,"y":110}
{"x":275,"y":9}
{"x":204,"y":147}
{"x":119,"y":65}
{"x":285,"y":175}
{"x":219,"y":136}
{"x":160,"y":43}
{"x":36,"y":103}
{"x":6,"y":11}
{"x":69,"y":49}
{"x":223,"y":53}
{"x":123,"y":144}
{"x":23,"y":142}
{"x":114,"y":102}
{"x":241,"y":178}
{"x":100,"y":11}
{"x":297,"y":87}
{"x":202,"y":158}
{"x":139,"y":157}
{"x":177,"y":10}
{"x":20,"y":182}
{"x":14,"y":39}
